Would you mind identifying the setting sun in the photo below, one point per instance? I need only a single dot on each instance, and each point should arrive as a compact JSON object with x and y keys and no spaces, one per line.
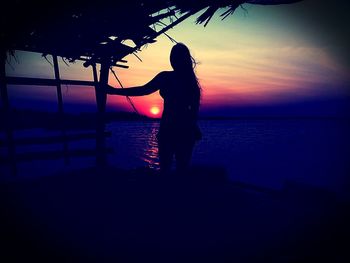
{"x":154,"y":110}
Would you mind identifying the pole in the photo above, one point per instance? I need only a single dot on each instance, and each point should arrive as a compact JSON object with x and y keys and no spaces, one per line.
{"x":8,"y":118}
{"x":58,"y":85}
{"x":101,"y":99}
{"x":60,"y":108}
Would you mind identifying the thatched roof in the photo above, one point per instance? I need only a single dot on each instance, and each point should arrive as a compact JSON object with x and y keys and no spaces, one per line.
{"x":97,"y":29}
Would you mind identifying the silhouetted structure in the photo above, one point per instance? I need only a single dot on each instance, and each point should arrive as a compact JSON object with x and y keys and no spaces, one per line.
{"x":94,"y":32}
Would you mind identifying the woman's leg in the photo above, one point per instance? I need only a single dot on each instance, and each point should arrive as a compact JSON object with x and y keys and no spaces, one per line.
{"x":183,"y":155}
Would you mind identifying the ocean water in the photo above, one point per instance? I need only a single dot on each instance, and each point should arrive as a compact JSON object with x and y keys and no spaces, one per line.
{"x":262,"y":152}
{"x":266,"y":153}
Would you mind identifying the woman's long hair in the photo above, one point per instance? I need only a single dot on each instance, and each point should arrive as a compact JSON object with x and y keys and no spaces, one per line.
{"x":184,"y":64}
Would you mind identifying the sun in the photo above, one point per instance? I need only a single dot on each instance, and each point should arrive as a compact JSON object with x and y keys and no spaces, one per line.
{"x":154,"y":110}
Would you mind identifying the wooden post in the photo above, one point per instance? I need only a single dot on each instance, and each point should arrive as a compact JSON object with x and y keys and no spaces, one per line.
{"x":94,"y":74}
{"x":60,"y":108}
{"x":8,"y":118}
{"x":57,"y":78}
{"x":3,"y":86}
{"x":101,"y":99}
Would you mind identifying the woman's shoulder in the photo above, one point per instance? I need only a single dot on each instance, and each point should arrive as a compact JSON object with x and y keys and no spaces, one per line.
{"x":164,"y":77}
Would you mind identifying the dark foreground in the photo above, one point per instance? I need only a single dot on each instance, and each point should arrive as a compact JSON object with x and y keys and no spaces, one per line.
{"x":140,"y":216}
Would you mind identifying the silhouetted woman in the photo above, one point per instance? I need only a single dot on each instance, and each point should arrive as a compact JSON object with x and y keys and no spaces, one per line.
{"x":180,"y":90}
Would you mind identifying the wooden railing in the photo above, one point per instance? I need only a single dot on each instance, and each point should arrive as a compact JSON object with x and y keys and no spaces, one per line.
{"x":11,"y":142}
{"x":11,"y":157}
{"x":14,"y":157}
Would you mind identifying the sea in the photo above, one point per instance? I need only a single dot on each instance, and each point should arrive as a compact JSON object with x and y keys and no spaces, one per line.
{"x":263,"y":152}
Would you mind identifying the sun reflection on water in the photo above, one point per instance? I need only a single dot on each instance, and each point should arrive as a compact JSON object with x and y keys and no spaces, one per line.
{"x":150,"y":153}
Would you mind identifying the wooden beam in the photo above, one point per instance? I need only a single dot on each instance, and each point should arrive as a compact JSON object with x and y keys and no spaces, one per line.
{"x":88,"y":61}
{"x":54,"y":139}
{"x":46,"y":82}
{"x":51,"y":155}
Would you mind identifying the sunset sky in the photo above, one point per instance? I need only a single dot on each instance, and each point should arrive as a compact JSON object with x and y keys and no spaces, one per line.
{"x":266,"y":56}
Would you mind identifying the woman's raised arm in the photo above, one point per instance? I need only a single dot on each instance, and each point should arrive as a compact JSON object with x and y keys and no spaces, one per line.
{"x":152,"y":86}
